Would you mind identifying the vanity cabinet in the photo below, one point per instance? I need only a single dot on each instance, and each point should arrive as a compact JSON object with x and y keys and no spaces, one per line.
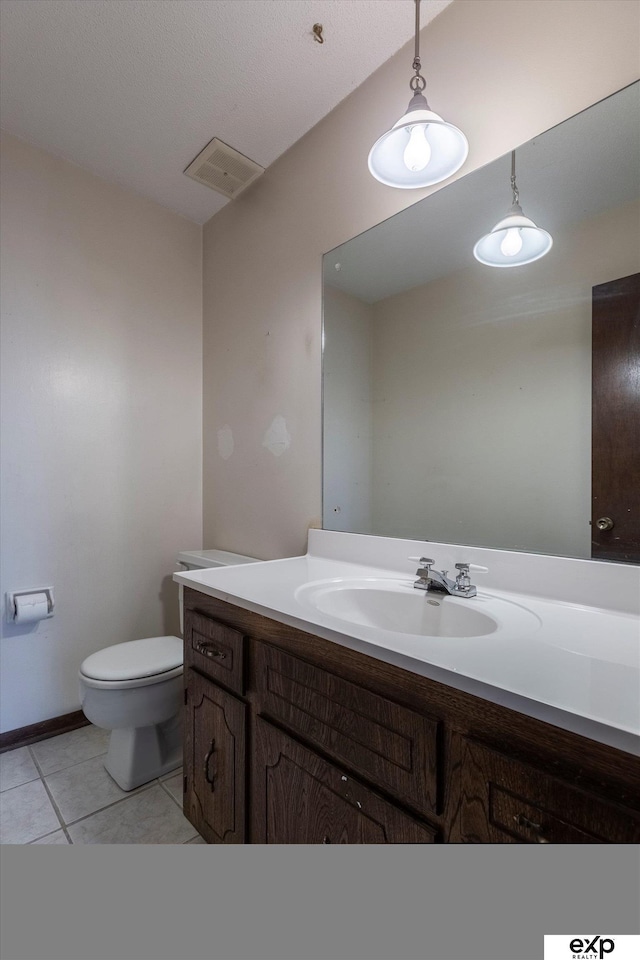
{"x":291,"y":738}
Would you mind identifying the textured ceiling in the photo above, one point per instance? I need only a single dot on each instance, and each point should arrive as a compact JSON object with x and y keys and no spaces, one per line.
{"x":133,"y":89}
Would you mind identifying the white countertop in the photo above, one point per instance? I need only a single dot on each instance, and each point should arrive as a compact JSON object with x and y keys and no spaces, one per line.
{"x":578,"y":667}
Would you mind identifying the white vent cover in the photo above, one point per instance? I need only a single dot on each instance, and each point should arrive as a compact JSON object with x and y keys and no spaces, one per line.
{"x":222,"y":168}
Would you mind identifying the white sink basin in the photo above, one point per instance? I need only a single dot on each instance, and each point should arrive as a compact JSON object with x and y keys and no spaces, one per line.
{"x":395,"y":606}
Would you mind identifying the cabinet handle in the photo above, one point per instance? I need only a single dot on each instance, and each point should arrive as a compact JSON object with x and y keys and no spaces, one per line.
{"x":523,"y":821}
{"x":208,"y":651}
{"x":210,"y":753}
{"x":326,"y":839}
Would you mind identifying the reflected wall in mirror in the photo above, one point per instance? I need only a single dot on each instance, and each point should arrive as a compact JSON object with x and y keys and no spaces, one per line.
{"x":457,"y":398}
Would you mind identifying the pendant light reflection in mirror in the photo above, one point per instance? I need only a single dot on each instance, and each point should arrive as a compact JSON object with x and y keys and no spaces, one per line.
{"x":421,"y":148}
{"x":515,"y":240}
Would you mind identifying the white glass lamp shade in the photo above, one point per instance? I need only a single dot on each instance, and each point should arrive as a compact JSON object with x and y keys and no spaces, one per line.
{"x":515,"y":240}
{"x":420,"y":149}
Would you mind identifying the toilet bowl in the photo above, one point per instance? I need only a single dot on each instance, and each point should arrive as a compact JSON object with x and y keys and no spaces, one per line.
{"x":135,"y":689}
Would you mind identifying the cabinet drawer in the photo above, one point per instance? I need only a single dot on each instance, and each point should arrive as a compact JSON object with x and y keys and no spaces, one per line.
{"x":300,"y":798}
{"x":388,"y":744}
{"x":506,"y":801}
{"x":214,"y":649}
{"x":529,"y":823}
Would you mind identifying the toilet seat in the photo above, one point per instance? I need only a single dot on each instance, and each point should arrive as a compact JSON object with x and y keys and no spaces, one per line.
{"x":135,"y":663}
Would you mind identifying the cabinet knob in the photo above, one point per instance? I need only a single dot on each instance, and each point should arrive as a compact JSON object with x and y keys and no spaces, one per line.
{"x":604,"y":523}
{"x":326,"y":840}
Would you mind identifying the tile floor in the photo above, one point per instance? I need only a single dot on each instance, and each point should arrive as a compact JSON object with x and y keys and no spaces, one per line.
{"x":57,"y":791}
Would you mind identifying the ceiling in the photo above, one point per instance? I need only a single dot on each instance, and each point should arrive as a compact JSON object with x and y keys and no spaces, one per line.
{"x":577,"y":170}
{"x":133,"y":90}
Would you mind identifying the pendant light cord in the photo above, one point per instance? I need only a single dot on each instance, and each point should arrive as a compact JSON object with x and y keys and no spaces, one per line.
{"x":417,"y":83}
{"x":514,"y":189}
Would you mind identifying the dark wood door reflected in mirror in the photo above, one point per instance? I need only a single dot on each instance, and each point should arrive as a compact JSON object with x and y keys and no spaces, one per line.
{"x":615,"y":482}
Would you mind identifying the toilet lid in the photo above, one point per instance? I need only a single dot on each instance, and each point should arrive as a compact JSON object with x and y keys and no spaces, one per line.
{"x":134,"y":659}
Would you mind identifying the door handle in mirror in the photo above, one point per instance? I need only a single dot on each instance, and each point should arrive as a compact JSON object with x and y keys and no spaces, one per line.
{"x":604,"y":523}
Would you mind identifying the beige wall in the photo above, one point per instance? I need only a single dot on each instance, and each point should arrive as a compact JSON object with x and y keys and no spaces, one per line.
{"x":101,"y":406}
{"x":482,"y":397}
{"x":504,"y":72}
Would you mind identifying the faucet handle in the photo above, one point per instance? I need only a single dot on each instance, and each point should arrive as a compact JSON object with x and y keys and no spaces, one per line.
{"x":424,"y":568}
{"x":464,"y":587}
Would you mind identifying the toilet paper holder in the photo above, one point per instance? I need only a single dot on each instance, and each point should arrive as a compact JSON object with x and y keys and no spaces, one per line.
{"x":12,"y":607}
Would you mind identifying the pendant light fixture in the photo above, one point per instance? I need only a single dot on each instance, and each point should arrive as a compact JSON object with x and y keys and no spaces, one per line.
{"x":515,"y":240}
{"x":421,"y":148}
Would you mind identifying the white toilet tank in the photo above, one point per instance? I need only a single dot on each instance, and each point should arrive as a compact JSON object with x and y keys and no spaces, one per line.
{"x":199,"y":559}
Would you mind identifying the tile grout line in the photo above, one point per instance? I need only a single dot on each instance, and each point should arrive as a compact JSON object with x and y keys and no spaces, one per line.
{"x":168,"y":792}
{"x":43,"y":837}
{"x":8,"y":753}
{"x":143,"y":788}
{"x":17,"y":785}
{"x":75,"y":763}
{"x":180,"y":808}
{"x":51,"y":801}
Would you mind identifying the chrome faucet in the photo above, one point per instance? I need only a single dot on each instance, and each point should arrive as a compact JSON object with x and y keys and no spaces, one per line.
{"x":437,"y":580}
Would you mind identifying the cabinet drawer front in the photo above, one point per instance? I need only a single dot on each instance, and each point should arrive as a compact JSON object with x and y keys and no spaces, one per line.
{"x":529,"y":823}
{"x":506,"y":801}
{"x":214,"y":649}
{"x":389,"y":744}
{"x":300,"y":798}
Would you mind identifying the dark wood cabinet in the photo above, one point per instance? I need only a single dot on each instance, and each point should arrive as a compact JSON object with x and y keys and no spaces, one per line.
{"x":290,"y":738}
{"x":214,"y":760}
{"x":301,"y":798}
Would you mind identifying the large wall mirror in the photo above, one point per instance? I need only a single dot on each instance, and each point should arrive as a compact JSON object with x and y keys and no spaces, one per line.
{"x":462,"y":403}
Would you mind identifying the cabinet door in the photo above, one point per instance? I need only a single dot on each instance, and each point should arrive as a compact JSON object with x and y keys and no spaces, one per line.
{"x":503,"y":800}
{"x":300,"y":798}
{"x":214,"y":761}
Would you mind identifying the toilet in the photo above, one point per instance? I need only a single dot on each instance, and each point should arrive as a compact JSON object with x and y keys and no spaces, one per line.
{"x":134,"y":689}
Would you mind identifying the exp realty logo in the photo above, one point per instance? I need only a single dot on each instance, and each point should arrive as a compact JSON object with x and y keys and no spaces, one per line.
{"x":593,"y":947}
{"x":586,"y":948}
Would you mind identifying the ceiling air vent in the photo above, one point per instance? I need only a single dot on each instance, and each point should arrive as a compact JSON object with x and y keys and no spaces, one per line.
{"x":222,"y":168}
